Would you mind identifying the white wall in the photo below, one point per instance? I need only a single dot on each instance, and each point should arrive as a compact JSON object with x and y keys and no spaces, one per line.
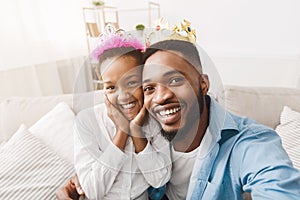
{"x":33,"y":32}
{"x":252,"y":42}
{"x":259,"y":71}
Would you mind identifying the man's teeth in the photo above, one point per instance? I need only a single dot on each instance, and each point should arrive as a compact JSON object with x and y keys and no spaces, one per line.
{"x":128,"y":106}
{"x":169,"y":111}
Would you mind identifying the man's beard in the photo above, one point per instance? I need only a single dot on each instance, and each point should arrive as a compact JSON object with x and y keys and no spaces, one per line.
{"x":179,"y":134}
{"x":169,"y":135}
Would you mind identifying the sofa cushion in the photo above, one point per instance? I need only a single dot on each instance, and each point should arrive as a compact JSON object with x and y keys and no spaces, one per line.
{"x":17,"y":110}
{"x":55,"y":129}
{"x":30,"y":170}
{"x":263,"y":104}
{"x":289,"y":131}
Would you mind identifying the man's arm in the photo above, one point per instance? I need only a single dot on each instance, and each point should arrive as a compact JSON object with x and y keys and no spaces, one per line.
{"x":265,"y":168}
{"x":71,"y":190}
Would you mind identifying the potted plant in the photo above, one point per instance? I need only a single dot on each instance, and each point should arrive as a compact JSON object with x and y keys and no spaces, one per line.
{"x":98,"y":3}
{"x":140,"y":27}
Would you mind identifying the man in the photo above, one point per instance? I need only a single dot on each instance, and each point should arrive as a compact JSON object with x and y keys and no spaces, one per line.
{"x":231,"y":156}
{"x":216,"y":155}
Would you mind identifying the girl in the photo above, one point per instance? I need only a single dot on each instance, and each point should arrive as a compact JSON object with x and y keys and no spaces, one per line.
{"x":119,"y":151}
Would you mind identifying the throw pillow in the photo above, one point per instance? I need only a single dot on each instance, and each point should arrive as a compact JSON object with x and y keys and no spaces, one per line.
{"x":289,"y":131}
{"x":26,"y":110}
{"x":19,"y":133}
{"x":30,"y":170}
{"x":55,"y":129}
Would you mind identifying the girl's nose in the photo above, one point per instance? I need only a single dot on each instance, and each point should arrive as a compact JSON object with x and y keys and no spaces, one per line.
{"x":124,"y":95}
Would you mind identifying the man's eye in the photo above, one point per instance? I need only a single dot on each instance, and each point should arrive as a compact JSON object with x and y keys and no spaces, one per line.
{"x":176,"y":80}
{"x":148,"y":88}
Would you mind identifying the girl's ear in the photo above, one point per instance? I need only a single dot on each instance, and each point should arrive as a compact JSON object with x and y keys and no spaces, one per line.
{"x":204,"y":81}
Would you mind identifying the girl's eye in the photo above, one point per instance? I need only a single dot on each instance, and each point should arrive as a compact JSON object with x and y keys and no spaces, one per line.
{"x":110,"y":87}
{"x":176,"y":80}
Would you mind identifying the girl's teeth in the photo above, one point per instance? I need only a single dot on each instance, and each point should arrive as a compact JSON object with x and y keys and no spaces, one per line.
{"x":128,"y":106}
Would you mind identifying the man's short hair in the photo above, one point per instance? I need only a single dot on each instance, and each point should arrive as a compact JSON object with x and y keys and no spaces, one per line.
{"x":187,"y":49}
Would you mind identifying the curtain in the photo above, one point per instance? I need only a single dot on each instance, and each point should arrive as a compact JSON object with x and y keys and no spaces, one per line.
{"x":39,"y":31}
{"x":52,"y":78}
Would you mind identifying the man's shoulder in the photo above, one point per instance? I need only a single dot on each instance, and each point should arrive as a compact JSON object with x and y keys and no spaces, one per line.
{"x":253,"y":135}
{"x":249,"y":132}
{"x":248,"y":126}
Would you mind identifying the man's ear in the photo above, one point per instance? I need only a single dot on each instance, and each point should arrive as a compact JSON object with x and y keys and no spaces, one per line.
{"x":204,"y":82}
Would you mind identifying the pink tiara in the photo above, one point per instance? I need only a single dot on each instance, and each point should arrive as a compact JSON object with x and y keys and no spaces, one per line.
{"x":115,"y":39}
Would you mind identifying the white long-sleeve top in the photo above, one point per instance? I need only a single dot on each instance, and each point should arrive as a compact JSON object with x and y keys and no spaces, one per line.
{"x":105,"y":171}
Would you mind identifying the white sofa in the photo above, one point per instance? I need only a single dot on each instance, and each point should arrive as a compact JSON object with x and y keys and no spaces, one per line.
{"x":263,"y":104}
{"x":51,"y":123}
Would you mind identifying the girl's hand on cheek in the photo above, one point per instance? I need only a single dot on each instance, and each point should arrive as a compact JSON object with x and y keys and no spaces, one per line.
{"x":116,"y":116}
{"x":137,"y":123}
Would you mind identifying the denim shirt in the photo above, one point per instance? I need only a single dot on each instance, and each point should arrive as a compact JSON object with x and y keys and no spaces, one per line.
{"x":245,"y":157}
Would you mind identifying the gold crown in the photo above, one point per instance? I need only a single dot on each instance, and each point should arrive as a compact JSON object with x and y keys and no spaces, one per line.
{"x":164,"y":32}
{"x":185,"y":33}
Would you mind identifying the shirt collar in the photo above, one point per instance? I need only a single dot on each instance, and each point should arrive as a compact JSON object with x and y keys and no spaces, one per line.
{"x":220,"y":121}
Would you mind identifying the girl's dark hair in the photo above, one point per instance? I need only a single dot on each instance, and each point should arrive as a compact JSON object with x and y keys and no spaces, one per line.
{"x":187,"y":49}
{"x":120,"y":52}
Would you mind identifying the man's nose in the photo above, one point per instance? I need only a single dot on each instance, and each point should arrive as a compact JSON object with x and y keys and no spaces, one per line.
{"x":162,"y":94}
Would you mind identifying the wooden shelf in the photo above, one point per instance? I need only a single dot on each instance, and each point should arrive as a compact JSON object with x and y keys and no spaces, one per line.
{"x":97,"y":17}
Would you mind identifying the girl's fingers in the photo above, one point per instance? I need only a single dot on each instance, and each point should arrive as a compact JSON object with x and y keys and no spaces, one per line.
{"x":140,"y":117}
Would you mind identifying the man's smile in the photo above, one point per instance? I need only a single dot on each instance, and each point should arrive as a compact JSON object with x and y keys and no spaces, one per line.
{"x":168,"y":114}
